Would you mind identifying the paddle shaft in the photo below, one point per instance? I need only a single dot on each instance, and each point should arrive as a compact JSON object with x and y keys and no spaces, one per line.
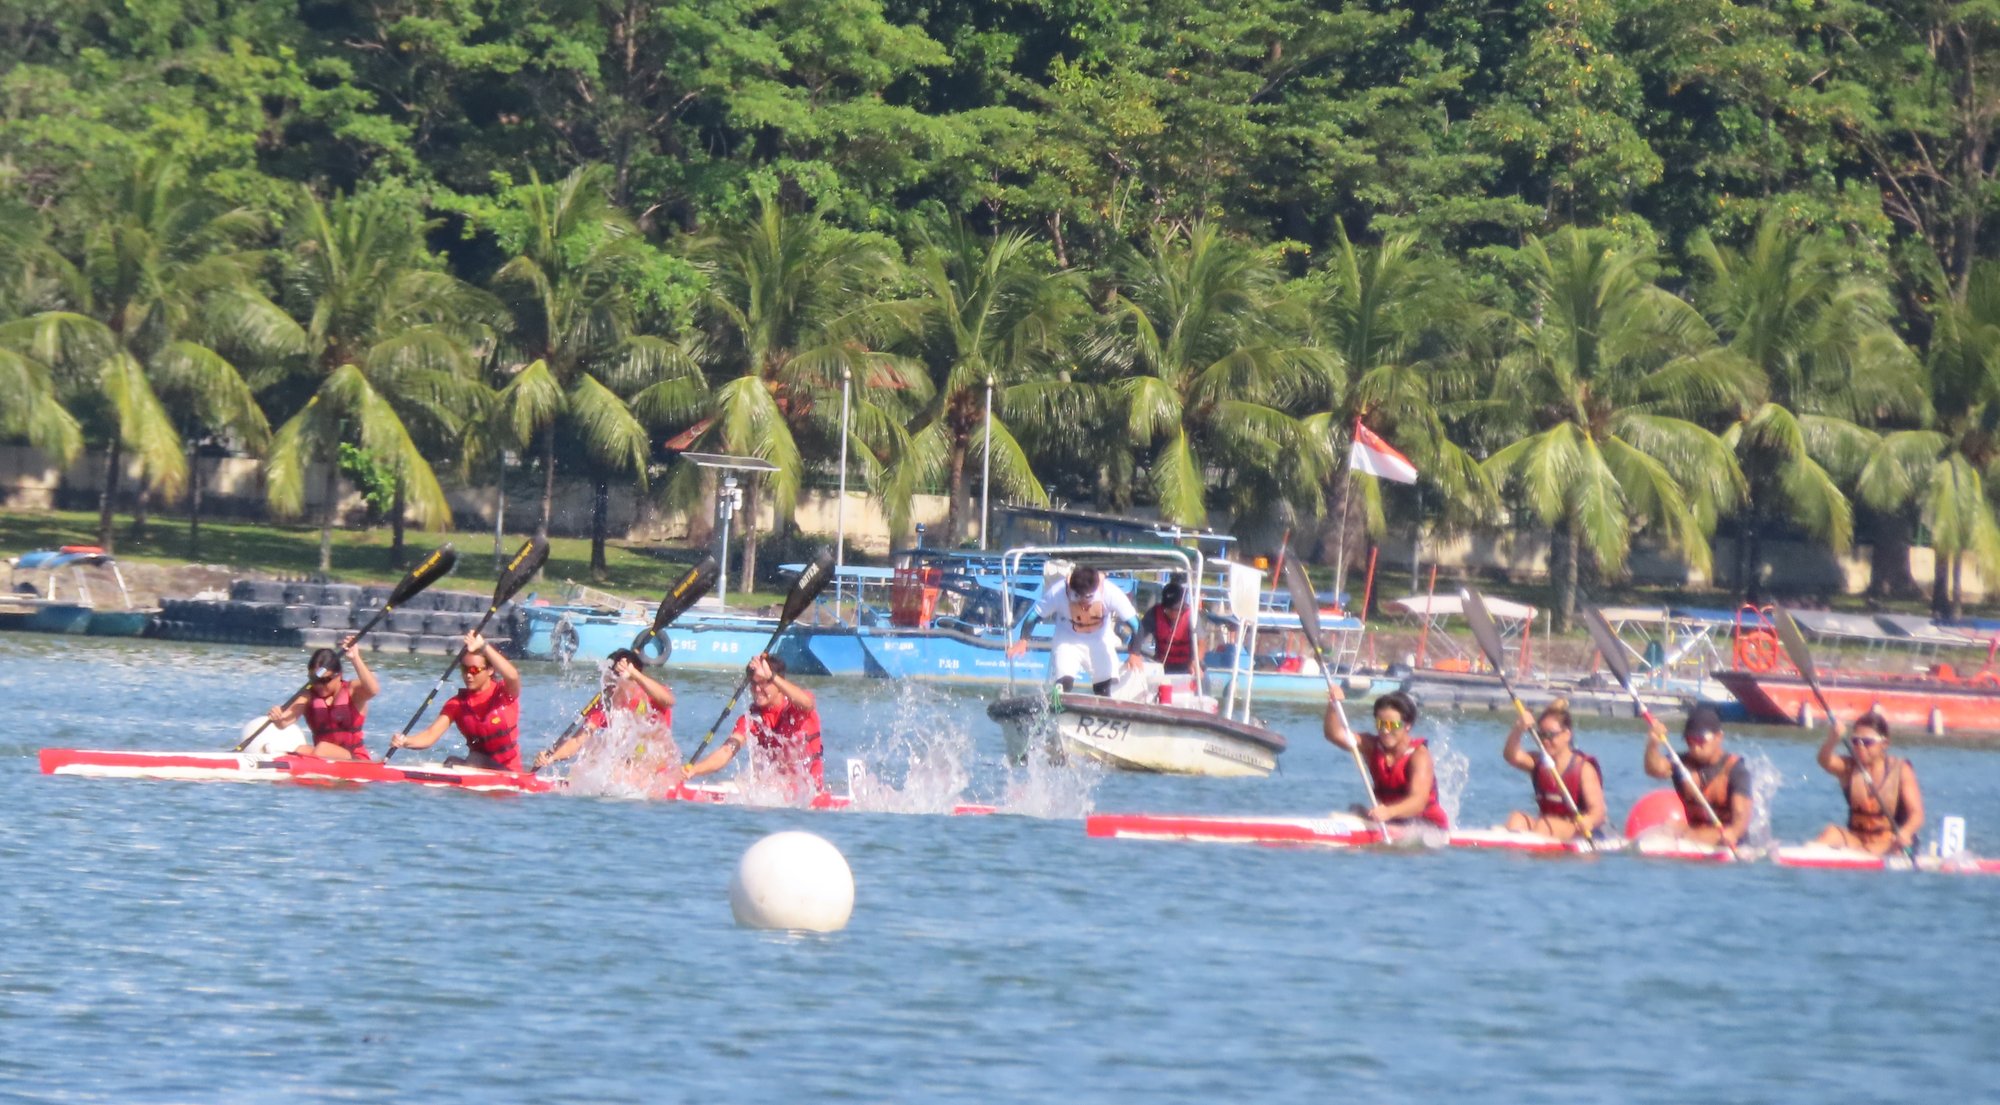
{"x":734,"y":695}
{"x":1853,"y":757}
{"x":1306,"y":605}
{"x":1681,"y":770}
{"x":1542,"y":753}
{"x":259,"y":731}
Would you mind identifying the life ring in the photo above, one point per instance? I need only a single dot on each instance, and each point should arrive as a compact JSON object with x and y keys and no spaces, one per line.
{"x":1757,"y":650}
{"x":657,"y":648}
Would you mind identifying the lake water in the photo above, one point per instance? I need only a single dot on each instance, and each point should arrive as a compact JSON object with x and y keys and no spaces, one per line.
{"x":176,"y":942}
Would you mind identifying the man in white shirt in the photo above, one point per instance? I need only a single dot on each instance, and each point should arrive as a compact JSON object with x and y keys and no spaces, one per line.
{"x":1085,"y":613}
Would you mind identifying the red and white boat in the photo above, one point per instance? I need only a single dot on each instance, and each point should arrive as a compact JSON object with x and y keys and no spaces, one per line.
{"x":1335,"y":830}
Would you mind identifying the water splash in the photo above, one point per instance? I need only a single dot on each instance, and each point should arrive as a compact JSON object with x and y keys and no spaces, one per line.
{"x":918,"y":759}
{"x":1454,"y":773}
{"x":1046,"y":783}
{"x":632,"y":757}
{"x":1765,"y":782}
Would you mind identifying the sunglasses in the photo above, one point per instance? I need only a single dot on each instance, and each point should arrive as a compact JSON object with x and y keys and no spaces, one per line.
{"x":1551,"y":734}
{"x":1700,"y":738}
{"x":1388,"y":725}
{"x":325,"y":676}
{"x":1865,"y":742}
{"x":473,"y":671}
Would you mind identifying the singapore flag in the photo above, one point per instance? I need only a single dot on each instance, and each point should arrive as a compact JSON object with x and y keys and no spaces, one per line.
{"x":1378,"y":458}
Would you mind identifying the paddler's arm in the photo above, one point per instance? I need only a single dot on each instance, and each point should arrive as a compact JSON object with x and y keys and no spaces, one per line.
{"x":427,"y":737}
{"x":509,"y":678}
{"x":365,"y":686}
{"x":1335,"y":723}
{"x":1421,"y":778}
{"x":1741,"y":807}
{"x":1591,"y":802}
{"x":1511,"y":751}
{"x":1657,"y":763}
{"x":561,"y":751}
{"x":290,"y":711}
{"x":656,"y":692}
{"x":1831,"y":760}
{"x":1911,"y":807}
{"x":717,"y":760}
{"x":798,"y":696}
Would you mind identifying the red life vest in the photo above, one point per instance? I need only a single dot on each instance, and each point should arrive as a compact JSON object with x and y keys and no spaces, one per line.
{"x":491,"y":725}
{"x":1549,"y":797}
{"x":1173,"y":635}
{"x":1714,"y":787}
{"x":339,"y":720}
{"x":788,"y":738}
{"x":1392,"y":781}
{"x":636,"y":702}
{"x":1875,"y":809}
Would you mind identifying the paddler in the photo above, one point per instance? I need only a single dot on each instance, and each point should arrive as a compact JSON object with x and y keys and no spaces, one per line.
{"x":628,"y":692}
{"x":1169,"y":628}
{"x":334,"y":708}
{"x":487,"y":711}
{"x":781,"y":726}
{"x":1400,"y":765}
{"x":1723,"y":777}
{"x":1085,"y":613}
{"x":1560,"y":759}
{"x":1885,"y":806}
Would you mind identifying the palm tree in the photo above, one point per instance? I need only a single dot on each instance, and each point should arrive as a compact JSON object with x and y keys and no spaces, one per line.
{"x":1201,"y":338}
{"x":570,"y":351}
{"x":1596,"y":401}
{"x":161,"y":281}
{"x":1828,"y":362}
{"x":996,"y":316}
{"x":391,"y":349}
{"x":792,"y":303}
{"x":31,"y":402}
{"x":1387,"y":312}
{"x":1951,"y":467}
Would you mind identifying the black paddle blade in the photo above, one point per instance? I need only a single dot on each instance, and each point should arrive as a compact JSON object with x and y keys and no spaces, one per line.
{"x":1795,"y":644}
{"x":812,"y":580}
{"x":1608,"y":645}
{"x":1483,"y":629}
{"x":525,"y":563}
{"x":1305,"y":604}
{"x":434,"y":567}
{"x":698,"y":581}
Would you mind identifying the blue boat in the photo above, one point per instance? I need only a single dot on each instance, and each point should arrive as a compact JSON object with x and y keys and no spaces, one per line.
{"x":32,"y":602}
{"x":699,"y":639}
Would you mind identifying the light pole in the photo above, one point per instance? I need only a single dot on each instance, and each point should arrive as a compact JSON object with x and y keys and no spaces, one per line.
{"x":725,"y":506}
{"x":986,"y":469}
{"x":840,"y":506}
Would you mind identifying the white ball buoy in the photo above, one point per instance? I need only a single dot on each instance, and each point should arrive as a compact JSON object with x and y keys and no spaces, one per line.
{"x":275,"y":740}
{"x":792,"y":880}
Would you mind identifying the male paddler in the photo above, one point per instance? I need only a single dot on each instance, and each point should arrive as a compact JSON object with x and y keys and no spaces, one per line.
{"x":629,"y":693}
{"x":487,"y":711}
{"x":1085,"y":613}
{"x":1400,"y":766}
{"x":1885,"y":806}
{"x":781,"y":727}
{"x":1723,"y":777}
{"x":334,"y":708}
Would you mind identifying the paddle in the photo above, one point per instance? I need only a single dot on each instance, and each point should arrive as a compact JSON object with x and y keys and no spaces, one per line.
{"x":1306,"y":605}
{"x":1613,"y":652}
{"x":433,"y":568}
{"x":698,"y":581}
{"x":1801,"y":656}
{"x":812,"y":580}
{"x":1487,"y":634}
{"x":514,"y":576}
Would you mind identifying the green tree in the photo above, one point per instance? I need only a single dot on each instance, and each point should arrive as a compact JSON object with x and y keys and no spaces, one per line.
{"x":997,"y":315}
{"x":1204,"y":344}
{"x":570,"y":352}
{"x":31,"y":403}
{"x":390,"y":357}
{"x":1829,"y":364}
{"x":1596,"y":402}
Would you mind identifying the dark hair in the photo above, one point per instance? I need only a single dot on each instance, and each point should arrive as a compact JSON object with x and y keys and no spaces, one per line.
{"x":1702,"y":719}
{"x":1082,"y":579}
{"x":1873,"y":719}
{"x":1173,"y":592}
{"x":638,"y":661}
{"x":777,"y":664}
{"x":324,"y":659}
{"x":1559,"y":709}
{"x":1399,"y":702}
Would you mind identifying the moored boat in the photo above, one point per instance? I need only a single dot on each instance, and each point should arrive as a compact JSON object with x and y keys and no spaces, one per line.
{"x":32,"y":599}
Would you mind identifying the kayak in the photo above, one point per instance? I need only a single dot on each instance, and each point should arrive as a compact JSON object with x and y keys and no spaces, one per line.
{"x":241,"y":767}
{"x":1336,"y":830}
{"x":1812,"y":856}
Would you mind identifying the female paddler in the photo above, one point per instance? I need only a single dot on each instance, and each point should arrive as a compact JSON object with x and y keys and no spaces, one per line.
{"x":1885,"y":806}
{"x":1560,"y":769}
{"x":1400,"y":766}
{"x":487,"y":711}
{"x":628,"y":692}
{"x":334,"y":708}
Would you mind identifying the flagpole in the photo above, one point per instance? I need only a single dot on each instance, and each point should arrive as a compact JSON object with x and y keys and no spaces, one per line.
{"x":1340,"y":529}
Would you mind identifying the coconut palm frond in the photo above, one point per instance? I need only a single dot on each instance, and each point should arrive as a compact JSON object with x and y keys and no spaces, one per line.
{"x":215,"y":391}
{"x":1900,"y":467}
{"x":610,"y":434}
{"x":1177,"y":482}
{"x":32,"y":409}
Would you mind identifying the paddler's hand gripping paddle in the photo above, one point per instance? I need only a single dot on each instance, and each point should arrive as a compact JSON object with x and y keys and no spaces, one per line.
{"x":522,"y":568}
{"x":433,"y":568}
{"x":812,"y":580}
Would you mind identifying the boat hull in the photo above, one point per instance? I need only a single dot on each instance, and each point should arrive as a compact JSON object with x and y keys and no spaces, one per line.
{"x":1785,"y":699}
{"x":119,"y":623}
{"x":1336,"y":830}
{"x":1139,"y":736}
{"x":698,"y":641}
{"x":37,"y":616}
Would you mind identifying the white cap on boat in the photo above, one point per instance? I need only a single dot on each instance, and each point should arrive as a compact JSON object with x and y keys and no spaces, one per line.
{"x":792,"y":880}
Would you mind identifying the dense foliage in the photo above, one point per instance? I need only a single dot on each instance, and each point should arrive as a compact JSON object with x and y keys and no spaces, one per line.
{"x":1610,"y":266}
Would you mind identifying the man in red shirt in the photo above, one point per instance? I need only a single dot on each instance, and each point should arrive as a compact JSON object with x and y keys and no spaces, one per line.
{"x":782,"y":726}
{"x":487,"y":711}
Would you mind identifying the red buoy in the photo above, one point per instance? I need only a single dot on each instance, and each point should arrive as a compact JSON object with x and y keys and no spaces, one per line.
{"x":1655,"y":808}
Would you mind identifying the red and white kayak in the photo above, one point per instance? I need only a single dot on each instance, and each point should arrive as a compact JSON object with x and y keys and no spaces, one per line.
{"x":1815,"y":856}
{"x":1335,"y":830}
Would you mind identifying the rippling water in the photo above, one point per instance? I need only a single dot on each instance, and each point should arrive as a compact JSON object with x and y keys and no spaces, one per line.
{"x":186,"y":942}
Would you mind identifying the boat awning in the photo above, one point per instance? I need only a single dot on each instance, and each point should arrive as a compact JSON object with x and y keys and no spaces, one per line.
{"x":1706,"y":615}
{"x":1828,"y":623}
{"x":1446,"y":605}
{"x":1916,"y":627}
{"x":49,"y":560}
{"x":1631,"y":615}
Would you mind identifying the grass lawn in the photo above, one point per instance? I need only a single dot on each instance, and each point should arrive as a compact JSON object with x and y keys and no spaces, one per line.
{"x":359,"y":555}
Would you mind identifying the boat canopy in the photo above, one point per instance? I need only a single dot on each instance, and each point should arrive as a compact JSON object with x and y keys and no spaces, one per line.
{"x":1439,"y":606}
{"x":49,"y":560}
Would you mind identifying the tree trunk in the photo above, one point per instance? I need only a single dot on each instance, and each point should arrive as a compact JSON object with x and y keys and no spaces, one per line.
{"x":1750,"y":549}
{"x":1957,"y":586}
{"x":1888,"y":553}
{"x":329,"y":510}
{"x":751,"y":484}
{"x":1562,"y":573}
{"x":141,"y":504}
{"x":396,"y":556}
{"x":1940,"y":585}
{"x":548,"y":480}
{"x":194,"y":503}
{"x":600,"y":510}
{"x":500,"y":516}
{"x":107,"y":498}
{"x":961,"y":497}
